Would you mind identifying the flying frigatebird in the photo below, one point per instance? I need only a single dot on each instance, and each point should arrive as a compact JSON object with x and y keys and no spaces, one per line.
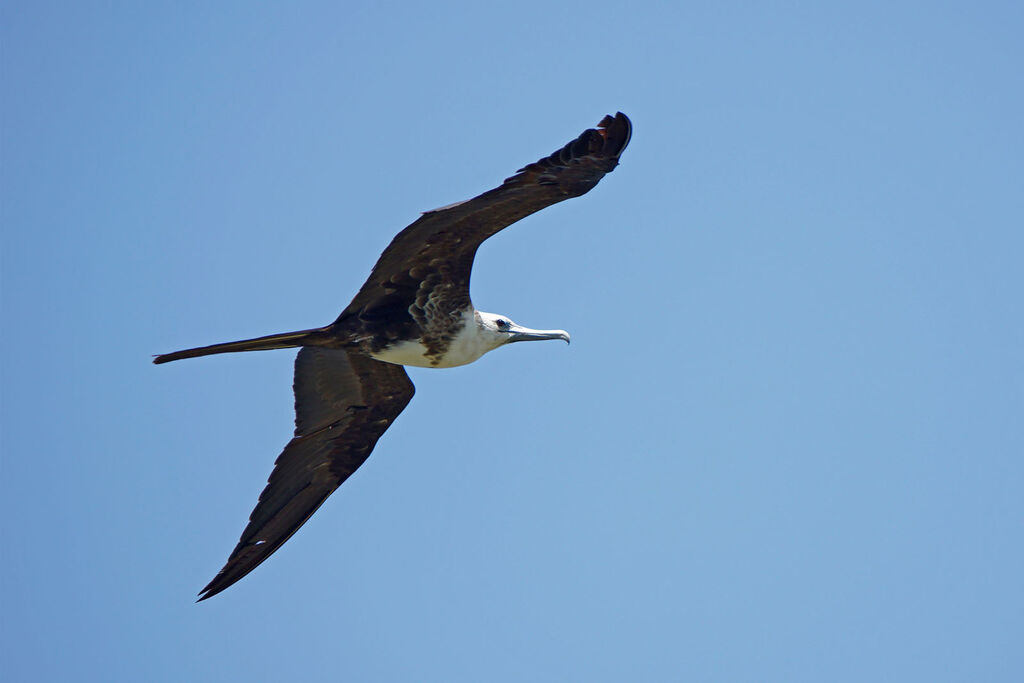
{"x":414,"y":309}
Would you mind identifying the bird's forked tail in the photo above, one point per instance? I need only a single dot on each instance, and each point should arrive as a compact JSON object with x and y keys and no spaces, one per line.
{"x":287,"y":340}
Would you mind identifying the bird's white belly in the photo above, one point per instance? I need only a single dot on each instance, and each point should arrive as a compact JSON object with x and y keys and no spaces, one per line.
{"x":467,"y":345}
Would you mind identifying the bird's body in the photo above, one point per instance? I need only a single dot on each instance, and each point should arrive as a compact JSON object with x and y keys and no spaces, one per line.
{"x":414,"y":309}
{"x":471,"y":338}
{"x":467,"y":344}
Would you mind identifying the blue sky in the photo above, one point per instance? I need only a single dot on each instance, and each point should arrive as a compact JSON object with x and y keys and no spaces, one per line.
{"x":784,"y":445}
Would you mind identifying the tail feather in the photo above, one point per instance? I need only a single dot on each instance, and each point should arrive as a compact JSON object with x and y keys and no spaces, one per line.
{"x":287,"y":340}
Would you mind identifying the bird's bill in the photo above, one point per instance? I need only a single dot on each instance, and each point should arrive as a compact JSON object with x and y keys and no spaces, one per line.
{"x":526,"y":334}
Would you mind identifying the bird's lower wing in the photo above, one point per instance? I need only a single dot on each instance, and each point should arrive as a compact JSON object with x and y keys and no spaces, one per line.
{"x":343,"y":404}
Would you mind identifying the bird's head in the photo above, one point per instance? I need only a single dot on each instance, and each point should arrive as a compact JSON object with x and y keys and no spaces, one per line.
{"x":499,"y":330}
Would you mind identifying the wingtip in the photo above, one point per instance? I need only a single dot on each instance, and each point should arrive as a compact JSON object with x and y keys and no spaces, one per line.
{"x":608,"y":140}
{"x":209,"y":591}
{"x":616,"y":130}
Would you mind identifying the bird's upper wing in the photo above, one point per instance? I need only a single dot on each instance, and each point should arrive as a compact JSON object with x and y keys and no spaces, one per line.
{"x":443,"y":242}
{"x":343,"y":404}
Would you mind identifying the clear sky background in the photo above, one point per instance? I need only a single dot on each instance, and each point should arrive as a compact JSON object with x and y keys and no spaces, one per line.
{"x":786,"y":442}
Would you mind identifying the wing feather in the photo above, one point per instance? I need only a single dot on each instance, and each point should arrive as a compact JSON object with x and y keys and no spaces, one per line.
{"x":343,"y":404}
{"x":445,"y":240}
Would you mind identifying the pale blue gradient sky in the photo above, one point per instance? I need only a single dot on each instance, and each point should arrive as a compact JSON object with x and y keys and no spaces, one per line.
{"x":785,"y":444}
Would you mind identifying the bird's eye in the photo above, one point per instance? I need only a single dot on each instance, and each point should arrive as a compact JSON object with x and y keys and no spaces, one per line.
{"x":502,"y":324}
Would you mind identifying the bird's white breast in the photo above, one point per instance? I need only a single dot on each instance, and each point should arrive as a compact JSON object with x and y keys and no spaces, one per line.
{"x":468,"y":344}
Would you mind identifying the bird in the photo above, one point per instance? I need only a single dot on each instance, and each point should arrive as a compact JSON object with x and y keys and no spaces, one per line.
{"x":414,"y":309}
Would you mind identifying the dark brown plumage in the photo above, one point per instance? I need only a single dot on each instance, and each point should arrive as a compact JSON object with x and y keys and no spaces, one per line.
{"x":343,"y":403}
{"x":443,"y":243}
{"x":418,"y":291}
